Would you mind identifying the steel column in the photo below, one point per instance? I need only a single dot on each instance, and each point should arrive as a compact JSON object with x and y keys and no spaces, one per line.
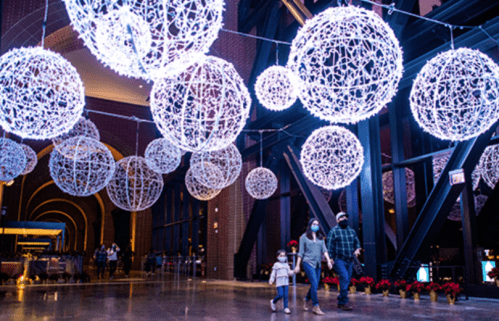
{"x":177,"y":208}
{"x":186,"y":203}
{"x":168,"y":220}
{"x":195,"y":226}
{"x":285,"y":205}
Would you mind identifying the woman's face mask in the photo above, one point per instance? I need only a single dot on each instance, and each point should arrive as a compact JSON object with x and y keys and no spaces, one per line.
{"x":314,"y":228}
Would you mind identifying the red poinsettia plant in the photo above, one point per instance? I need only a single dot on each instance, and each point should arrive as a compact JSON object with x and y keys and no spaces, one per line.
{"x":415,"y":286}
{"x":433,"y":286}
{"x":451,"y":288}
{"x":494,"y":273}
{"x":354,"y":282}
{"x":383,"y":285}
{"x":367,"y":281}
{"x":331,"y":280}
{"x":401,"y":284}
{"x":293,"y":243}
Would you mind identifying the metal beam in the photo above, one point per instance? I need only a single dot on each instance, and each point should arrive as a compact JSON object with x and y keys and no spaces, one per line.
{"x":177,"y":202}
{"x":397,"y":20}
{"x":247,"y":23}
{"x":186,"y":222}
{"x":285,"y":205}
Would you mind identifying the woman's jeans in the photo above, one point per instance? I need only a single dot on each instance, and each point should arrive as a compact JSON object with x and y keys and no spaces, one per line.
{"x":313,"y":274}
{"x":282,"y":293}
{"x":344,"y":270}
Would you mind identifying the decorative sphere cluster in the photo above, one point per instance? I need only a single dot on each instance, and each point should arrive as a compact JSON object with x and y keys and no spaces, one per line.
{"x":277,"y":88}
{"x":388,"y":189}
{"x":227,"y":161}
{"x":41,"y":93}
{"x":12,"y":159}
{"x":350,"y":64}
{"x":203,"y":108}
{"x":261,"y":183}
{"x":81,"y":166}
{"x":162,"y":156}
{"x":198,"y":190}
{"x":84,"y":127}
{"x":146,"y":39}
{"x":332,"y":157}
{"x":456,"y":95}
{"x":31,"y":159}
{"x":134,"y":186}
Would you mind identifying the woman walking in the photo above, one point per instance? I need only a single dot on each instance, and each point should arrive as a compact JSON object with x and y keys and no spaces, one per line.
{"x":311,"y":249}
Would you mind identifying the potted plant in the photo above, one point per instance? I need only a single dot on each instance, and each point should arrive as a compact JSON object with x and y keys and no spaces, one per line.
{"x":66,"y":276}
{"x":368,"y":283}
{"x":78,"y":277}
{"x":353,"y":285}
{"x":494,"y":274}
{"x":3,"y":278}
{"x":43,"y":277}
{"x":433,"y":287}
{"x":384,"y":286}
{"x":293,"y":245}
{"x":85,"y":277}
{"x":328,"y":281}
{"x":54,"y":277}
{"x":451,"y":290}
{"x":401,"y":285}
{"x":416,"y":287}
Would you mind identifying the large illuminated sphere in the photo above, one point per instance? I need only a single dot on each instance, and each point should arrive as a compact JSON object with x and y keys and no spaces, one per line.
{"x":350,"y":64}
{"x":134,"y":186}
{"x":198,"y":190}
{"x":439,"y":163}
{"x":84,"y":127}
{"x":81,"y":166}
{"x":227,"y":161}
{"x":332,"y":157}
{"x":456,"y":95}
{"x":162,"y":156}
{"x":31,"y":159}
{"x":145,"y":39}
{"x":489,"y":165}
{"x":261,"y":183}
{"x":203,"y":108}
{"x":12,"y":159}
{"x":277,"y":88}
{"x":41,"y":93}
{"x":388,"y":189}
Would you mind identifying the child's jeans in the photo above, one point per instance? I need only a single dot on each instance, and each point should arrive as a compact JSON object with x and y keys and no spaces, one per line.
{"x":282,"y":293}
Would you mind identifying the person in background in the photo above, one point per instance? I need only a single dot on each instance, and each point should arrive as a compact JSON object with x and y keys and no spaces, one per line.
{"x":112,"y":255}
{"x":127,"y":260}
{"x":100,"y":257}
{"x":151,"y":262}
{"x":159,"y":262}
{"x":280,"y":275}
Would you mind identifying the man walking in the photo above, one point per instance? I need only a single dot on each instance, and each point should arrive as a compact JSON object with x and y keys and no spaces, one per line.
{"x":342,"y":245}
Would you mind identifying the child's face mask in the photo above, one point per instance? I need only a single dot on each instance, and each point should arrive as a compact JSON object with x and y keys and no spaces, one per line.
{"x":281,"y":259}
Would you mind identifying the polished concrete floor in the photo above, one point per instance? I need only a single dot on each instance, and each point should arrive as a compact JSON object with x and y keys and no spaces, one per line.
{"x":172,"y":298}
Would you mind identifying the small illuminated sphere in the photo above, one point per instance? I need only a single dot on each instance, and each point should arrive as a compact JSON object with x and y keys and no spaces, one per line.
{"x":162,"y":156}
{"x":439,"y":163}
{"x":198,"y":190}
{"x":456,"y":95}
{"x":388,"y":190}
{"x":227,"y":161}
{"x":31,"y":159}
{"x":203,"y":108}
{"x":332,"y":157}
{"x":349,"y":62}
{"x":84,"y":127}
{"x":489,"y":165}
{"x":261,"y":183}
{"x":480,"y":202}
{"x":277,"y":88}
{"x":41,"y":93}
{"x":327,"y":193}
{"x":12,"y":159}
{"x":146,"y":39}
{"x":81,"y":166}
{"x":342,"y":201}
{"x":134,"y":186}
{"x":455,"y":212}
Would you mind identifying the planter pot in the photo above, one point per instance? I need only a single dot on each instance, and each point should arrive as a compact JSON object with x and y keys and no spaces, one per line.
{"x":497,"y":282}
{"x":433,"y":296}
{"x":451,"y":299}
{"x":294,"y":249}
{"x":416,"y":296}
{"x":338,"y":287}
{"x":302,"y":273}
{"x":367,"y":290}
{"x":352,"y":289}
{"x":326,"y":287}
{"x":403,"y":294}
{"x":386,"y":292}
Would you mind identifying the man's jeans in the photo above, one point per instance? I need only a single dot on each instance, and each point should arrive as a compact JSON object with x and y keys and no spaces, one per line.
{"x":344,"y":270}
{"x":313,"y":274}
{"x":282,"y":293}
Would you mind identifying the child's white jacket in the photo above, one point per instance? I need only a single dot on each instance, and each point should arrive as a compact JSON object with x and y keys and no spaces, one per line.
{"x":280,"y":274}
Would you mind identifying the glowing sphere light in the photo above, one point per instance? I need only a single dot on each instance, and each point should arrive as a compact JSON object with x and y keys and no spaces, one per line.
{"x":276,"y":88}
{"x":198,"y":190}
{"x":388,"y":189}
{"x":31,"y":159}
{"x":12,"y":159}
{"x":84,"y":127}
{"x":261,"y":183}
{"x":162,"y":156}
{"x":489,"y":165}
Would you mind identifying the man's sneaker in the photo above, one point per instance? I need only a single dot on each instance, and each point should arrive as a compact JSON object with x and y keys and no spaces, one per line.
{"x":272,"y":305}
{"x":287,"y":311}
{"x":317,"y":310}
{"x":305,"y":305}
{"x":345,"y":307}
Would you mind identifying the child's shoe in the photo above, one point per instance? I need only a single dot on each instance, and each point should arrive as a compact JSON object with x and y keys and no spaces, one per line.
{"x":272,"y":305}
{"x":287,"y":311}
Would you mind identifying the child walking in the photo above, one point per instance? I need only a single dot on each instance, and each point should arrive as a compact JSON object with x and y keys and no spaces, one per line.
{"x":280,"y":275}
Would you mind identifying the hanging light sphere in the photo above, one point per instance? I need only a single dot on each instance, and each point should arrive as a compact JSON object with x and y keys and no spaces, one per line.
{"x":41,"y":93}
{"x":456,"y":95}
{"x":455,"y":212}
{"x":198,"y":190}
{"x":134,"y":186}
{"x":327,"y":193}
{"x":489,"y":165}
{"x":388,"y":189}
{"x":146,"y":39}
{"x":31,"y":159}
{"x":332,"y":157}
{"x":12,"y":159}
{"x":162,"y":156}
{"x":228,"y":161}
{"x":342,"y":201}
{"x":261,"y":183}
{"x":479,"y":203}
{"x":276,"y":88}
{"x":203,"y":108}
{"x":84,"y":127}
{"x":350,"y":64}
{"x":81,"y":166}
{"x":439,"y":163}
